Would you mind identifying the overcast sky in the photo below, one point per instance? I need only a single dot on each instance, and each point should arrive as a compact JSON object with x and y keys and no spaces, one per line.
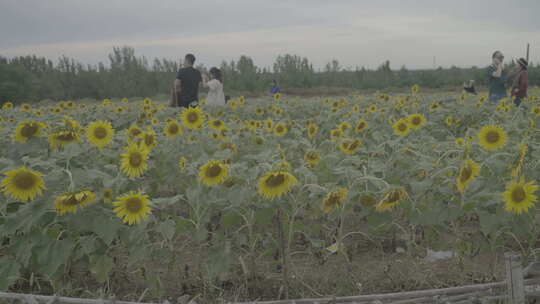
{"x":356,"y":32}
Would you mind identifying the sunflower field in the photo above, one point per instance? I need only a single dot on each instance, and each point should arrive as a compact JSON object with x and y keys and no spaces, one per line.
{"x":134,"y":198}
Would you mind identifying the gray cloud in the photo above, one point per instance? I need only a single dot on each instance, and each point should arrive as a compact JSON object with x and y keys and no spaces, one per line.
{"x":356,"y":32}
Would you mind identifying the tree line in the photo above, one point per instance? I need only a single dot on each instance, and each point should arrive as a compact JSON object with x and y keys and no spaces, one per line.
{"x":32,"y":78}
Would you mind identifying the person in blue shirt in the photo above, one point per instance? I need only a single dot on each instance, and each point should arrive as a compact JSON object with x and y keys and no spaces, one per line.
{"x":275,"y":88}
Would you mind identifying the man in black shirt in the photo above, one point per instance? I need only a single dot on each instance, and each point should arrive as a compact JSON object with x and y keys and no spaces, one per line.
{"x":186,"y":84}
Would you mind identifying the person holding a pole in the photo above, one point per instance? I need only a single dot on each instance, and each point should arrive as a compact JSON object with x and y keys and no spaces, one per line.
{"x":521,"y":82}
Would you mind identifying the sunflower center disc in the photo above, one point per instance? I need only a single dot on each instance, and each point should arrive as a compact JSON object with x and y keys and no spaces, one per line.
{"x":354,"y":145}
{"x":29,"y":130}
{"x":492,"y":137}
{"x":135,"y":132}
{"x":393,"y":197}
{"x":416,"y":121}
{"x":24,"y":181}
{"x":68,"y":136}
{"x":465,"y":174}
{"x":213,"y":171}
{"x":135,"y":159}
{"x":402,"y":127}
{"x":71,"y":201}
{"x":192,"y":117}
{"x":149,"y":140}
{"x":100,"y":133}
{"x":133,"y":205}
{"x":173,"y":129}
{"x":518,"y":195}
{"x":275,"y":180}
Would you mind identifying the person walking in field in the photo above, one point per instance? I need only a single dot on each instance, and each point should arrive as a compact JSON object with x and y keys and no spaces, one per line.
{"x":186,"y":84}
{"x":214,"y":83}
{"x":496,"y":78}
{"x":521,"y":82}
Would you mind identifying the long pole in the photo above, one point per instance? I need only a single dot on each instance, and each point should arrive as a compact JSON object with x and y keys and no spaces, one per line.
{"x":528,"y":52}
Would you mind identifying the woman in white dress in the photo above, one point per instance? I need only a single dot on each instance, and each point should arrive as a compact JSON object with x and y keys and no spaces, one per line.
{"x":214,"y":83}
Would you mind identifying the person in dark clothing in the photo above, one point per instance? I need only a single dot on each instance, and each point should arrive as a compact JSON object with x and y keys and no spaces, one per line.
{"x":468,"y":87}
{"x":186,"y":84}
{"x":275,"y":88}
{"x":496,"y":78}
{"x":521,"y":82}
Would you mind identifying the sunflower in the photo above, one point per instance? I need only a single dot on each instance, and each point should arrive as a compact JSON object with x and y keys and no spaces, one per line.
{"x":182,"y":163}
{"x":57,"y":110}
{"x":468,"y":172}
{"x":361,"y":126}
{"x":277,"y":97}
{"x":336,"y":134}
{"x":312,"y":158}
{"x":259,"y":111}
{"x":449,"y":120}
{"x":193,"y":118}
{"x":492,"y":137}
{"x":120,"y":110}
{"x":72,"y":201}
{"x":402,"y":127}
{"x":134,"y":131}
{"x":125,"y":100}
{"x":349,"y":146}
{"x":173,"y":128}
{"x":70,"y":104}
{"x":38,"y":113}
{"x":391,"y":199}
{"x":63,"y":138}
{"x":100,"y":133}
{"x":434,"y":106}
{"x":373,"y":108}
{"x":149,"y":139}
{"x":132,"y":208}
{"x":147,"y":101}
{"x":460,"y":141}
{"x":276,"y":183}
{"x":7,"y":106}
{"x":27,"y":129}
{"x":519,"y":196}
{"x":134,"y":161}
{"x":23,"y":184}
{"x":280,"y":129}
{"x":344,"y":126}
{"x":536,"y":110}
{"x":334,"y":199}
{"x":213,"y":173}
{"x":269,"y":125}
{"x":416,"y":121}
{"x":217,"y":124}
{"x":26,"y":107}
{"x":313,"y":129}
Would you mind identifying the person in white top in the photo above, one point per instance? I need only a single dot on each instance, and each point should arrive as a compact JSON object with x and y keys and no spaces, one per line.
{"x":214,"y":83}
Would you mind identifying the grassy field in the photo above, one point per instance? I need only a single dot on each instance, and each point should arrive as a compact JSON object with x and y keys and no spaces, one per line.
{"x":267,"y":197}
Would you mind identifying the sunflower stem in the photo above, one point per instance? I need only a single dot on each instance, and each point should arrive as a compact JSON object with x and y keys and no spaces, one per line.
{"x":283,"y":253}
